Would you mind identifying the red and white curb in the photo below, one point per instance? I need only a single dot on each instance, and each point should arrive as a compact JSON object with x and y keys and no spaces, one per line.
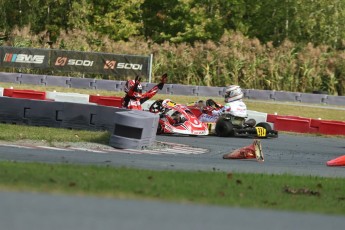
{"x":171,"y":149}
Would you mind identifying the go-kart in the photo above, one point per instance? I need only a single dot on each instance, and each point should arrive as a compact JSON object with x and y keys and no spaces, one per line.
{"x":229,"y":125}
{"x":177,"y":119}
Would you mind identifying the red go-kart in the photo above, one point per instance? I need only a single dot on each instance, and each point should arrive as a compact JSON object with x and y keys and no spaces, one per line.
{"x":177,"y":119}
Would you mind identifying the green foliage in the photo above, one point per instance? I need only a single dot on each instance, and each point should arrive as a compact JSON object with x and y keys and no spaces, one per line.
{"x":293,"y":45}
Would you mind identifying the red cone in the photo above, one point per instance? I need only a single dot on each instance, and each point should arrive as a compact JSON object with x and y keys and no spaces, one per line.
{"x":340,"y":161}
{"x":249,"y":152}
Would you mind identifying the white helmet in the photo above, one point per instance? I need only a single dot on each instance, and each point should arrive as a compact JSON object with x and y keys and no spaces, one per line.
{"x":233,"y":93}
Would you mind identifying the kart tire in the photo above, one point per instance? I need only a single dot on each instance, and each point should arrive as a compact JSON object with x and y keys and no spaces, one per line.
{"x":224,"y":128}
{"x":265,"y":125}
{"x":160,"y":129}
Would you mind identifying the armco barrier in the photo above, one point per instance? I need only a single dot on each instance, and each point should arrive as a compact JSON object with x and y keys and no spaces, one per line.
{"x":134,"y":131}
{"x":28,"y":94}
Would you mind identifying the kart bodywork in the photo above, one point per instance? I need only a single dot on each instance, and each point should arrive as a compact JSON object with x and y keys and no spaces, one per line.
{"x":177,"y":119}
{"x":228,"y":125}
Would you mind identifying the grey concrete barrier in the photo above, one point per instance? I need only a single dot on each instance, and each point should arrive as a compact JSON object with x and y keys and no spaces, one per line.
{"x":182,"y":89}
{"x":106,"y":85}
{"x":134,"y":129}
{"x":57,"y":81}
{"x":313,"y":98}
{"x":259,"y":94}
{"x":12,"y":110}
{"x":130,"y":129}
{"x":32,"y":79}
{"x":42,"y":113}
{"x":210,"y":91}
{"x":81,"y":83}
{"x":286,"y":96}
{"x":57,"y":114}
{"x":335,"y":100}
{"x":10,"y":77}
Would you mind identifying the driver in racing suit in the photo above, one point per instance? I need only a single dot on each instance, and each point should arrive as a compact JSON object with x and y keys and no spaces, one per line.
{"x":134,"y":96}
{"x":234,"y":106}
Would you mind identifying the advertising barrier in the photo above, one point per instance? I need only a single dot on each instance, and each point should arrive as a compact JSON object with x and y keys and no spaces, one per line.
{"x":76,"y":61}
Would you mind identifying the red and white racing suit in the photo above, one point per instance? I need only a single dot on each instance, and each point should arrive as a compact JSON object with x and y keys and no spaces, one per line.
{"x":236,"y":108}
{"x":133,"y":101}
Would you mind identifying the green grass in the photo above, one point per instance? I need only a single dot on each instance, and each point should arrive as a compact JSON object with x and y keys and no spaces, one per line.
{"x":22,"y":132}
{"x":283,"y":192}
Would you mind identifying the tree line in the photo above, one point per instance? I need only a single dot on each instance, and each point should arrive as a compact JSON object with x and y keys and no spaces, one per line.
{"x":268,"y":44}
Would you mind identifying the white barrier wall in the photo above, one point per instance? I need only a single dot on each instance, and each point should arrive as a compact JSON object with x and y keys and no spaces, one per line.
{"x":68,"y":97}
{"x":1,"y":92}
{"x":257,"y":116}
{"x":146,"y":105}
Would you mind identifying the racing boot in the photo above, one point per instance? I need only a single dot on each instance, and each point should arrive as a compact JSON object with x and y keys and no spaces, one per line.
{"x":249,"y":152}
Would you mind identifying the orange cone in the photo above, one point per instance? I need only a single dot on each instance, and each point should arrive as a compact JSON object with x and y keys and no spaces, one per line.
{"x":249,"y":152}
{"x":339,"y":161}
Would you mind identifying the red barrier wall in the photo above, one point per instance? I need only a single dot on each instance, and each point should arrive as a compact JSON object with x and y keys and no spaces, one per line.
{"x":306,"y":125}
{"x":292,"y":124}
{"x":26,"y":94}
{"x":106,"y":100}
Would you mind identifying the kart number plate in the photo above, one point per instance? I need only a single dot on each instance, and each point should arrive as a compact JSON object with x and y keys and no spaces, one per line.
{"x":261,"y":132}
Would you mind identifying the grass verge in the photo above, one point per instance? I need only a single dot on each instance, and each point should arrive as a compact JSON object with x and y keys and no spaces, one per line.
{"x":10,"y":132}
{"x":281,"y":192}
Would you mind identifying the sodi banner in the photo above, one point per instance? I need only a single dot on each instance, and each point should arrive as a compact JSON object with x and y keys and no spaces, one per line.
{"x":102,"y":63}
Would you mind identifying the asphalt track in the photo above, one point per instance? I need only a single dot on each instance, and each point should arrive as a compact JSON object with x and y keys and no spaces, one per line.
{"x":293,"y":154}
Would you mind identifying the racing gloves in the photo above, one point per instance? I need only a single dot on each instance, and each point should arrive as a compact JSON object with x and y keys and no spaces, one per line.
{"x":164,"y":79}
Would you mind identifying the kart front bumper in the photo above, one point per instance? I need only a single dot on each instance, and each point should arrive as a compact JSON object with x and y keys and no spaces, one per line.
{"x":255,"y":132}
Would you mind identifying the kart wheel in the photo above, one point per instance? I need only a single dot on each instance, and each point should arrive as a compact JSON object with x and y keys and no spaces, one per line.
{"x":265,"y":125}
{"x":224,"y":128}
{"x":160,"y":129}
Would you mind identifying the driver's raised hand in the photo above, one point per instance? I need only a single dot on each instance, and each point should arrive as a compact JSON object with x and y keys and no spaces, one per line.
{"x":164,"y":80}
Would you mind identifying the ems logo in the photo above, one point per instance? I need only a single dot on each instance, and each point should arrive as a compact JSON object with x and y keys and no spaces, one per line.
{"x":109,"y":64}
{"x":61,"y":61}
{"x":24,"y":58}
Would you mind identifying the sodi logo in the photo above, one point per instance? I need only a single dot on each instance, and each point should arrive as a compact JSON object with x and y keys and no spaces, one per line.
{"x":63,"y":61}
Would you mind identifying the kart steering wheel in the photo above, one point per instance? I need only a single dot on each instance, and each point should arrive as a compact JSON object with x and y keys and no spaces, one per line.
{"x":156,"y":107}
